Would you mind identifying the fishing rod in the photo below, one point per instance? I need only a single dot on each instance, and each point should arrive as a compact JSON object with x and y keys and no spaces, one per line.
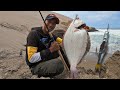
{"x":107,"y":27}
{"x":59,"y":52}
{"x":103,"y":51}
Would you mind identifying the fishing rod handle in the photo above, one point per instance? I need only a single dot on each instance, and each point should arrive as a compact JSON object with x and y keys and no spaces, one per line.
{"x":63,"y":61}
{"x":51,"y":36}
{"x":59,"y":52}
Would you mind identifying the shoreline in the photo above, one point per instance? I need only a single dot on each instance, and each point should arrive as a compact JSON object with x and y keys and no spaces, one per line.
{"x":91,"y":59}
{"x":13,"y":66}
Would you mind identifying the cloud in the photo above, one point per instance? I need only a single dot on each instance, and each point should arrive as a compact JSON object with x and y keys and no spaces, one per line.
{"x":101,"y":15}
{"x":90,"y":15}
{"x":95,"y":18}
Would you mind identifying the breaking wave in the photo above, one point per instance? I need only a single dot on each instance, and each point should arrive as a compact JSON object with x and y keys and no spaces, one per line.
{"x":97,"y":37}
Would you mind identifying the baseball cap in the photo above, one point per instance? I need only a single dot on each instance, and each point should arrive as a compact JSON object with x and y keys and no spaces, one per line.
{"x":52,"y":16}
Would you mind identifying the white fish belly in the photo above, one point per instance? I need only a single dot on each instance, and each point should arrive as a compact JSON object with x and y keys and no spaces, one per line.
{"x":75,"y":44}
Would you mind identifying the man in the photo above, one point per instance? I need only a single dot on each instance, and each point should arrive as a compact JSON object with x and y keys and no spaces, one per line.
{"x":42,"y":53}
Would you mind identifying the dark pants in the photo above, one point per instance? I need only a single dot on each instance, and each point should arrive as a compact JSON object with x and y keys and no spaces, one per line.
{"x":51,"y":67}
{"x":48,"y":68}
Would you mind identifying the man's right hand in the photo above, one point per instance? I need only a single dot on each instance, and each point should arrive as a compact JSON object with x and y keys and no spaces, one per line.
{"x":54,"y":47}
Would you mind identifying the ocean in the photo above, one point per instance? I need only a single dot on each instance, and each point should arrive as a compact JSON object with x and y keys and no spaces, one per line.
{"x":97,"y":38}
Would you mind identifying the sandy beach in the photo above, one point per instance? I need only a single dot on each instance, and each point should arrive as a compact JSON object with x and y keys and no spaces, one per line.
{"x":14,"y":28}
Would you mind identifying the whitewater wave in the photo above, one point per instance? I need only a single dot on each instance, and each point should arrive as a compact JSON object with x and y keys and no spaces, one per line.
{"x":97,"y":38}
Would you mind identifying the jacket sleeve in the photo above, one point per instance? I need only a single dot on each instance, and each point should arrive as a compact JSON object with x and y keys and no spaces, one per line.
{"x":32,"y":47}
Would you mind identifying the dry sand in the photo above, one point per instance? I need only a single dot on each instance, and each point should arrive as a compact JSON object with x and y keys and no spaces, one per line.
{"x":14,"y":27}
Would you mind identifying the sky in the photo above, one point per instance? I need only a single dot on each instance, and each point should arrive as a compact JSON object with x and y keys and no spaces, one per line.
{"x":97,"y":19}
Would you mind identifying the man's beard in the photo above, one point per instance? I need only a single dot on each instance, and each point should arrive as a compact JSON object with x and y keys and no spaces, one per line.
{"x":50,"y":29}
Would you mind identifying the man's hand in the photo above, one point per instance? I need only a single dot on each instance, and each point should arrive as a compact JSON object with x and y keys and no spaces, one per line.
{"x":61,"y":44}
{"x":54,"y":47}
